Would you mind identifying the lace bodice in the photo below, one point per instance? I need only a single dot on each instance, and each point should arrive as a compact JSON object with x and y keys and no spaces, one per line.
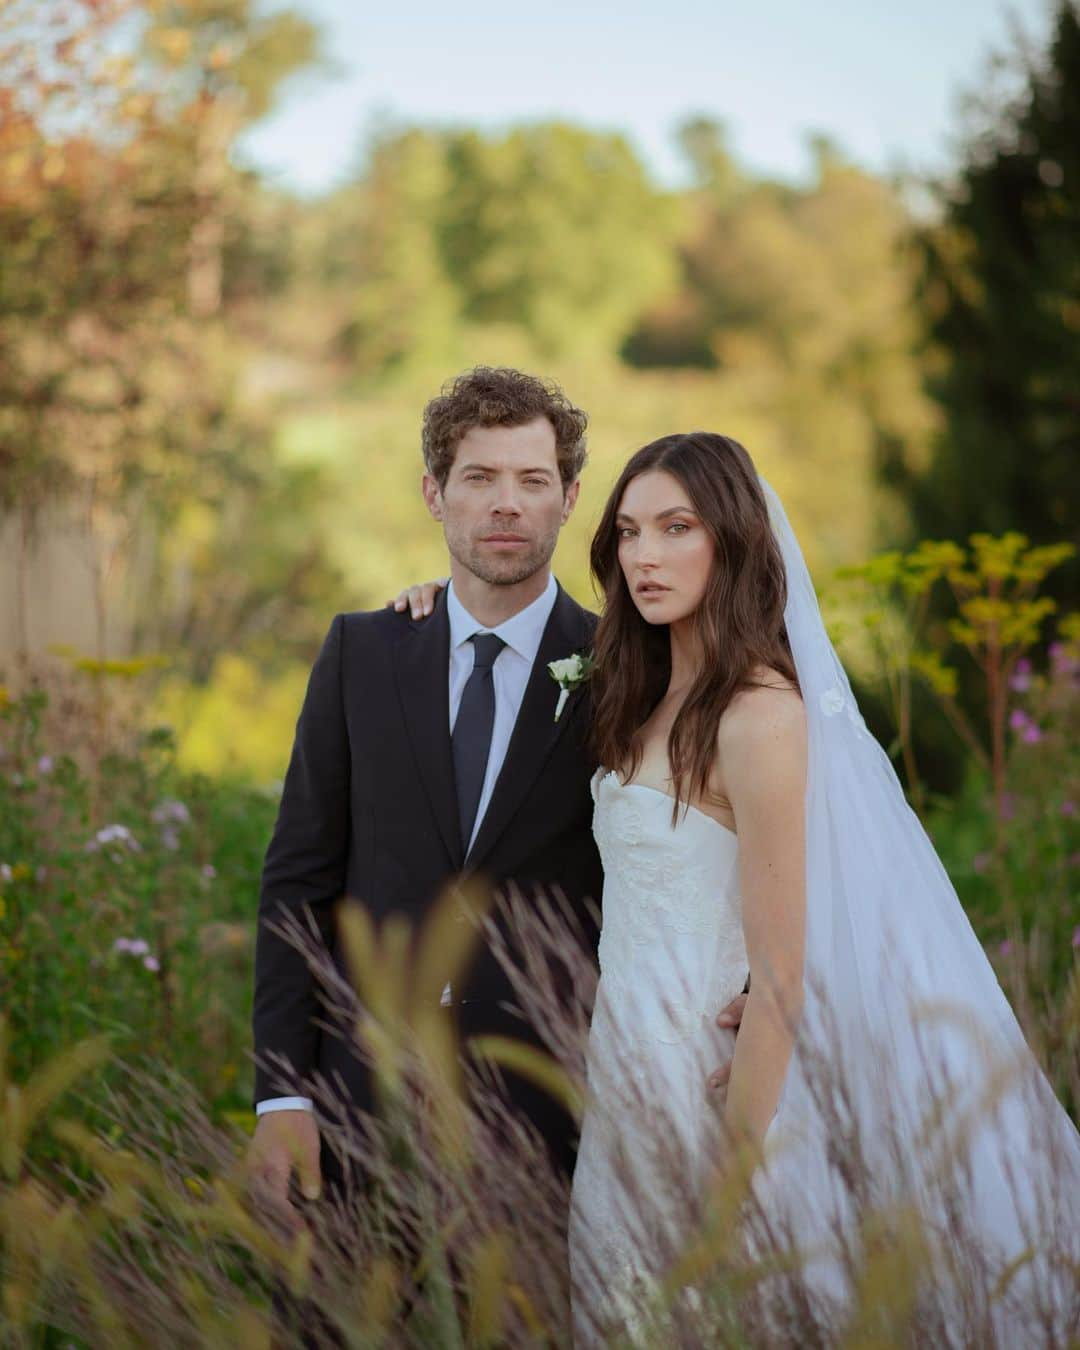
{"x":671,"y":900}
{"x":672,"y":955}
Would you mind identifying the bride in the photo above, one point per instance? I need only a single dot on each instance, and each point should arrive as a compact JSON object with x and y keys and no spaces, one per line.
{"x":749,"y":823}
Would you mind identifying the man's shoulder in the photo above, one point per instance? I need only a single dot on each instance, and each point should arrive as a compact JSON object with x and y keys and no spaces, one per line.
{"x":383,"y":622}
{"x":371,"y":630}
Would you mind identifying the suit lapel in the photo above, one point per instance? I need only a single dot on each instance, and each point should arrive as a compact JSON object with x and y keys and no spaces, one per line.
{"x":423,"y":676}
{"x":535,"y":731}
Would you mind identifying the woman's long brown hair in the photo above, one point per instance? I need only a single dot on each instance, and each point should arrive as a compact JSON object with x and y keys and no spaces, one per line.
{"x":740,"y":621}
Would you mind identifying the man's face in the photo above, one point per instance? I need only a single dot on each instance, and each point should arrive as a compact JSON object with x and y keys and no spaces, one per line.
{"x":503,"y":504}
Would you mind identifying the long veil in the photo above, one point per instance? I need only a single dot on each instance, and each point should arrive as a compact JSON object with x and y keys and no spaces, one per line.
{"x":938,"y":1095}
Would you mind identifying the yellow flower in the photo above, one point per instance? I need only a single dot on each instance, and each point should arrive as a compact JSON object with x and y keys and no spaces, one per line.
{"x":20,"y":872}
{"x":1069,"y":627}
{"x":941,"y":678}
{"x":123,"y":669}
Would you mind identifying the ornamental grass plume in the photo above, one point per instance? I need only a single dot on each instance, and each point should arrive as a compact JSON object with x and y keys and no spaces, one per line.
{"x":140,"y":1227}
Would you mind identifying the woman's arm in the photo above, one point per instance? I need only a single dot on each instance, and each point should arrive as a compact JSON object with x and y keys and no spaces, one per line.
{"x":762,"y":745}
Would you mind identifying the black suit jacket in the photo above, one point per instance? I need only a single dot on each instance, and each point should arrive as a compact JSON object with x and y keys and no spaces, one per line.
{"x":369,"y":811}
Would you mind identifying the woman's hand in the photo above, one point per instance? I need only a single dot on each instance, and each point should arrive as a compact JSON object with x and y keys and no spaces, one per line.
{"x":419,"y":600}
{"x":729,"y":1017}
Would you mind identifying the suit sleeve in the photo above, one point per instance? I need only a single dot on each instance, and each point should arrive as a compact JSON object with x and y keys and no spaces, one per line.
{"x":303,"y":874}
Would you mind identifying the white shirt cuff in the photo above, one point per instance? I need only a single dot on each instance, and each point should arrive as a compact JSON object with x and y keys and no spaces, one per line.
{"x":283,"y":1104}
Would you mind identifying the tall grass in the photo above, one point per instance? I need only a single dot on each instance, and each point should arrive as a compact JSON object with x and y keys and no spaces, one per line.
{"x":145,"y":1230}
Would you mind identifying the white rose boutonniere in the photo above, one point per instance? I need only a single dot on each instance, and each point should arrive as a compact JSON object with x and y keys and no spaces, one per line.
{"x":568,"y":674}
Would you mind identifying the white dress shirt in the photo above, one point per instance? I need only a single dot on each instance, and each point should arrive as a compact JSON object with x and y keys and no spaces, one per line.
{"x":509,"y":674}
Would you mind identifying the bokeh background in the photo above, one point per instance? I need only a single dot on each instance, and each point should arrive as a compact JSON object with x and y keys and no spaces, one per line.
{"x":242,"y":244}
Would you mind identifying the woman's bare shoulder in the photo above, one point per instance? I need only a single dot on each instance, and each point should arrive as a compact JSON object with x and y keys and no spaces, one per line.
{"x":770,"y":707}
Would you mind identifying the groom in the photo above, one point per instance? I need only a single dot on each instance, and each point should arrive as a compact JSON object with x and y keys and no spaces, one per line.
{"x":428,"y":749}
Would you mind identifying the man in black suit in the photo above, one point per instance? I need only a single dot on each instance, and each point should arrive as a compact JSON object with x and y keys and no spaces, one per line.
{"x":430,"y":749}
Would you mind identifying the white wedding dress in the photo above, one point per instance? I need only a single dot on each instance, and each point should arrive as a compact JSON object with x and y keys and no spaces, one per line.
{"x":932,"y":1099}
{"x":929,"y":1085}
{"x":671,"y":955}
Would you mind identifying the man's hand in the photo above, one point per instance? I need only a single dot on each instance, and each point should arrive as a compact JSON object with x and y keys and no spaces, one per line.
{"x":284,"y":1140}
{"x":419,"y":600}
{"x":729,"y":1017}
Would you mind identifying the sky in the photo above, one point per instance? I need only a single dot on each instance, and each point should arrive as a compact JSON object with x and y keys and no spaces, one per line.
{"x":882,"y":79}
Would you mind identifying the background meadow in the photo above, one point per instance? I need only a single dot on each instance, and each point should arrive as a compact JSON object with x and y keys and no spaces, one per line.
{"x":210,"y":396}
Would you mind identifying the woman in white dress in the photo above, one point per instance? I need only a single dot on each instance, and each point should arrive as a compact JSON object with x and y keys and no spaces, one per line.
{"x":749,"y":824}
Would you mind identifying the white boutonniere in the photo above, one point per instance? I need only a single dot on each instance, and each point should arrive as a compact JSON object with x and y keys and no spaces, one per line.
{"x":568,"y":674}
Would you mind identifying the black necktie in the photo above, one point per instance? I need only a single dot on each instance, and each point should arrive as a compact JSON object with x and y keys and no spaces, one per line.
{"x":471,"y":741}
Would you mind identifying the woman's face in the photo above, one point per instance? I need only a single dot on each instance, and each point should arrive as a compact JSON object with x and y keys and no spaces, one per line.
{"x":665,"y":551}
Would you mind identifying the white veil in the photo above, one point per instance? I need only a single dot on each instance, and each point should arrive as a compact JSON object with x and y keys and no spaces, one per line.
{"x":899,"y":992}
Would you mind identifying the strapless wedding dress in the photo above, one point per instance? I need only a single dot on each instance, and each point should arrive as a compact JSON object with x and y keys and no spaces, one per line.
{"x":672,"y":955}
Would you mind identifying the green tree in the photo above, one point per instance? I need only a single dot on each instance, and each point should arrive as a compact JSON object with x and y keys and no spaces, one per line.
{"x":805,"y":295}
{"x":557,"y":229}
{"x":121,"y":395}
{"x":552,"y":231}
{"x":1002,"y":291}
{"x":382,"y":246}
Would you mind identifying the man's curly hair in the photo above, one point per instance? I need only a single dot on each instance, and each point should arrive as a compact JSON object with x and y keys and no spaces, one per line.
{"x":498,"y":396}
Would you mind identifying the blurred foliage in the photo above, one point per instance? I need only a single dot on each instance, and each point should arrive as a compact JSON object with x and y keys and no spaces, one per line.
{"x":119,"y":368}
{"x":1001,"y":293}
{"x":999,"y":615}
{"x":241,"y":719}
{"x":221,"y":385}
{"x":550,"y":228}
{"x":126,"y":889}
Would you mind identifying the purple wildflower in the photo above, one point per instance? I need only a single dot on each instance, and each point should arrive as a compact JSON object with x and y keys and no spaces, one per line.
{"x":1004,"y":948}
{"x":151,"y":963}
{"x":5,"y":872}
{"x":133,"y":946}
{"x":1021,"y":677}
{"x":980,"y":862}
{"x":209,"y":871}
{"x":170,"y":812}
{"x":1068,"y":807}
{"x":1062,"y":660}
{"x":114,"y":834}
{"x":1018,"y":719}
{"x":170,"y":839}
{"x":1032,"y":734}
{"x":45,"y":764}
